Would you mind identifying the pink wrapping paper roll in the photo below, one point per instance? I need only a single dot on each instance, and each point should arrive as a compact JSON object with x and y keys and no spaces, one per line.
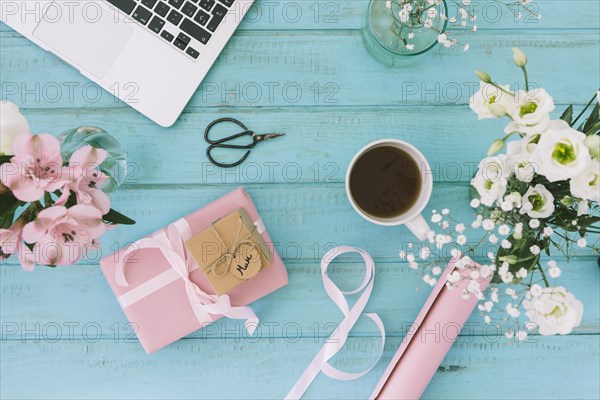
{"x":426,"y":344}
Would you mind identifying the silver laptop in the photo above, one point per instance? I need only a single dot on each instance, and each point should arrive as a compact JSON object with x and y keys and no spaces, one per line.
{"x":161,"y":49}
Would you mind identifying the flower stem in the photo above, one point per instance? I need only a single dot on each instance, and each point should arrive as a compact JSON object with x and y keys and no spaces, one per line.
{"x":584,"y":110}
{"x":494,"y":84}
{"x":526,"y":79}
{"x":543,"y":275}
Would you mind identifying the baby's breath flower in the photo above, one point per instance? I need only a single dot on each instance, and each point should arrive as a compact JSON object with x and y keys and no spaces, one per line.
{"x":534,"y":223}
{"x":506,"y":244}
{"x":507,"y":277}
{"x":445,"y":211}
{"x":534,"y":249}
{"x":455,"y":253}
{"x":435,"y":218}
{"x":484,"y":271}
{"x":494,"y":296}
{"x":461,"y":239}
{"x":512,"y":311}
{"x":460,"y":228}
{"x":522,"y":273}
{"x":436,"y":270}
{"x":487,"y":319}
{"x":493,"y":239}
{"x":402,"y":255}
{"x":582,"y":242}
{"x":454,"y":277}
{"x":475,"y":203}
{"x":504,"y":229}
{"x":548,"y":231}
{"x":535,"y":290}
{"x":554,"y":272}
{"x":488,"y":224}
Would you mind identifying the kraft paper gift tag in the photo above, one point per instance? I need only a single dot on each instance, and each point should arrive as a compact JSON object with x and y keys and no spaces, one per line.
{"x":230,"y":252}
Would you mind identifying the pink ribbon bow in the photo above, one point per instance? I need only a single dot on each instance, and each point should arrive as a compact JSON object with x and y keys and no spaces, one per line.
{"x":171,"y":242}
{"x":321,"y":361}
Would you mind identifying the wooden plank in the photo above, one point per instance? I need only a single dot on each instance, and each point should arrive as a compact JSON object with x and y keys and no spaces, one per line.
{"x":303,"y":220}
{"x":473,"y":369}
{"x":80,"y":295}
{"x":315,"y":68}
{"x":350,"y":14}
{"x":317,"y":148}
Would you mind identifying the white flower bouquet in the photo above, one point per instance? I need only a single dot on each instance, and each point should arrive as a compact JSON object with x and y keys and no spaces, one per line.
{"x":540,"y":196}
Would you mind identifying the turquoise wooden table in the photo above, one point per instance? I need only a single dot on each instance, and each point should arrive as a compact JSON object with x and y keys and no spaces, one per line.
{"x":297,"y":67}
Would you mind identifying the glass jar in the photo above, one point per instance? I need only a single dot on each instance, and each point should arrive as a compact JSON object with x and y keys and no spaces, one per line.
{"x":115,"y":165}
{"x":394,"y":36}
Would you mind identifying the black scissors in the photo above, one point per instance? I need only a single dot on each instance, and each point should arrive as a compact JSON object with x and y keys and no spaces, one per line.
{"x":222,"y":142}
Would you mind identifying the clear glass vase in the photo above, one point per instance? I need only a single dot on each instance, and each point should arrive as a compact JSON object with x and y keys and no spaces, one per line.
{"x":394,"y":40}
{"x":115,"y":165}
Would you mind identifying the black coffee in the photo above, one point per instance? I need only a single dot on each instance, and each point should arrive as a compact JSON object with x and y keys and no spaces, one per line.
{"x":385,"y":182}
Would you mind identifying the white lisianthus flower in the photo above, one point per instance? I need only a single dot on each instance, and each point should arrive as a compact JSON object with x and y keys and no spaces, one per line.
{"x":561,"y":154}
{"x":491,"y":179}
{"x":490,"y":102}
{"x":587,"y":185}
{"x":537,"y":202}
{"x":12,"y":124}
{"x":530,"y":112}
{"x":554,"y":310}
{"x":518,"y":159}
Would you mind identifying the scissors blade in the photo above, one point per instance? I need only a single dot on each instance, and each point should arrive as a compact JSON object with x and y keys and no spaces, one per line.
{"x":268,"y":136}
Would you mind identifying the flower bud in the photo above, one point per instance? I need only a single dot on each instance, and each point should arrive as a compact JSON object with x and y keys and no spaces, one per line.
{"x":12,"y":124}
{"x":495,"y":147}
{"x":592,"y":142}
{"x":519,"y":57}
{"x":484,"y":76}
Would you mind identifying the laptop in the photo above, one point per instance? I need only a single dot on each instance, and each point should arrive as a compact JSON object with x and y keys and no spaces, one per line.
{"x":152,"y":54}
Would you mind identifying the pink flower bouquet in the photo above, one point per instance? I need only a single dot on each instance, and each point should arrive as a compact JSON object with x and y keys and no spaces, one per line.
{"x":53,"y":210}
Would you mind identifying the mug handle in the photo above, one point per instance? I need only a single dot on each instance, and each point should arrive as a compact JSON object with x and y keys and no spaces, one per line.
{"x":419,"y":227}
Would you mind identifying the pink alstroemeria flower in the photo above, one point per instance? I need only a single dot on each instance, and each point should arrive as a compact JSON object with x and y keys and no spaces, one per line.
{"x":86,"y":178}
{"x":35,"y":168}
{"x":60,"y":234}
{"x":11,"y":242}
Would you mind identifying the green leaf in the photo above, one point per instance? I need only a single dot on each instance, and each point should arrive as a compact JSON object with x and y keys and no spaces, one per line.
{"x":592,"y":120}
{"x":115,"y":217}
{"x":594,"y":130}
{"x":9,"y":207}
{"x":567,"y":115}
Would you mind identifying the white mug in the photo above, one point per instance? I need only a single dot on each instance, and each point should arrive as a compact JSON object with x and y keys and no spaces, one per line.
{"x":412,"y":218}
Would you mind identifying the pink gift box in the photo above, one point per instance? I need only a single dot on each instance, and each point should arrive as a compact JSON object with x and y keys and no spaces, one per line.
{"x":154,"y":286}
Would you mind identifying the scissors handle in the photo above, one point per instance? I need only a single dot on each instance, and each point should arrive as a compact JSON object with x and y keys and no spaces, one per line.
{"x":226,"y":146}
{"x":246,"y":132}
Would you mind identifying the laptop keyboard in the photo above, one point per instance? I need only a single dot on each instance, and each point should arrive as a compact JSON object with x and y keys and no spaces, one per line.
{"x":187,"y":24}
